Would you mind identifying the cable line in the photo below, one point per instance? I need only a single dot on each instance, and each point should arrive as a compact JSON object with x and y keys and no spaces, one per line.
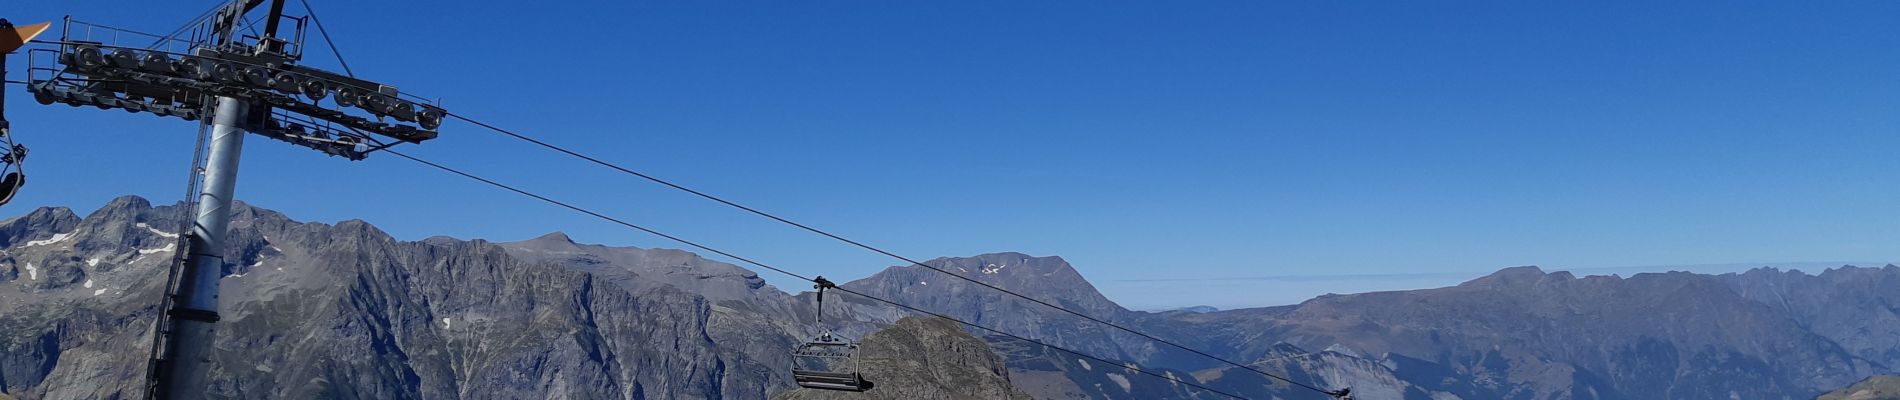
{"x":326,"y":37}
{"x":339,"y":57}
{"x":789,"y":273}
{"x":875,"y":249}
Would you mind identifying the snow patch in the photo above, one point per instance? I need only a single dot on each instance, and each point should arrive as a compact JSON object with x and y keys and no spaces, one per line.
{"x":1120,"y":381}
{"x":99,"y":292}
{"x":55,"y":239}
{"x":1085,"y":364}
{"x":991,"y":269}
{"x":923,"y":283}
{"x":445,"y":323}
{"x":1342,"y":349}
{"x":157,"y":250}
{"x":88,"y":284}
{"x":156,"y":231}
{"x":92,"y":262}
{"x":32,"y":273}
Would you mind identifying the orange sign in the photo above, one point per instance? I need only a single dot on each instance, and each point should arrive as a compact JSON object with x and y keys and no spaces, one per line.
{"x":12,"y":39}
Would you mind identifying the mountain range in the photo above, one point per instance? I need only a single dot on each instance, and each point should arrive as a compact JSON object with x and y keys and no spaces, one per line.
{"x":315,"y":310}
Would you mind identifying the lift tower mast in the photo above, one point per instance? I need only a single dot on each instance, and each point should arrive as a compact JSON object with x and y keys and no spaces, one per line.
{"x":181,"y":368}
{"x":242,"y":83}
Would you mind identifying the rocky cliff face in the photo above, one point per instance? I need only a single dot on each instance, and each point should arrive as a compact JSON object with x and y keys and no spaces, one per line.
{"x":344,"y":311}
{"x":1856,"y":308}
{"x":924,"y":359}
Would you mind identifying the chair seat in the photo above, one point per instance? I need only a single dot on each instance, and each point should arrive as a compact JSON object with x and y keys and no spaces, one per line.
{"x":830,"y":380}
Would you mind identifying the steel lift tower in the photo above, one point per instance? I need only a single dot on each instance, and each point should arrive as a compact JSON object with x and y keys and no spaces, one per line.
{"x":221,"y":71}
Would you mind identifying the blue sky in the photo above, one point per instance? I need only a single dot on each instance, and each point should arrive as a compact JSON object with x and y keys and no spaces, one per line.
{"x":1139,"y":140}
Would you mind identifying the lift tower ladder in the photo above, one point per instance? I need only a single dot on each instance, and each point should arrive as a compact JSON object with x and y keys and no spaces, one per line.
{"x":221,"y":69}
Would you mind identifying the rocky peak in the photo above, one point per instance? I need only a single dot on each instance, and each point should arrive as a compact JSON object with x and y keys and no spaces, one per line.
{"x":553,"y":237}
{"x":42,"y":223}
{"x":634,"y":266}
{"x":1048,"y":278}
{"x":1512,"y":276}
{"x":1002,"y":264}
{"x":553,"y":242}
{"x":123,"y":208}
{"x":441,"y":240}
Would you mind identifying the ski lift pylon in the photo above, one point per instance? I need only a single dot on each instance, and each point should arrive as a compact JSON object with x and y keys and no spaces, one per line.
{"x":828,"y":361}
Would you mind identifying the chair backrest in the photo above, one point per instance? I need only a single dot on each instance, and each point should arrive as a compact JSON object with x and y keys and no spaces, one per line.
{"x":829,"y":365}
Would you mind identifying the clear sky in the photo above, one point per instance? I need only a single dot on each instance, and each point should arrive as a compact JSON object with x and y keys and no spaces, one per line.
{"x":1142,"y":141}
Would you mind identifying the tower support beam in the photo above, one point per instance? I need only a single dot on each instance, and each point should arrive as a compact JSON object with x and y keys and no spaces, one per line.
{"x":194,"y":311}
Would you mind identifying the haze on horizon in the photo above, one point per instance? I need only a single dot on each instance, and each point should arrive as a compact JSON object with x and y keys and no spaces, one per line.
{"x":1142,"y":142}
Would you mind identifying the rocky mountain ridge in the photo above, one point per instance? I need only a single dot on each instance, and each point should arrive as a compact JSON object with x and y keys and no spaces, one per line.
{"x":345,"y":311}
{"x":1524,"y":333}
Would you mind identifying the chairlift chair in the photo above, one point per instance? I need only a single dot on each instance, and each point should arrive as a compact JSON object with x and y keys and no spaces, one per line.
{"x":828,"y":361}
{"x":13,"y":162}
{"x":13,"y":155}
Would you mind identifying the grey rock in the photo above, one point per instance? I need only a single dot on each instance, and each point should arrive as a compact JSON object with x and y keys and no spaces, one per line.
{"x":1882,"y":387}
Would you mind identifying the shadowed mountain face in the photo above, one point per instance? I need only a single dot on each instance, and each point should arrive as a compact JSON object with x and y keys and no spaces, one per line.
{"x":344,"y":311}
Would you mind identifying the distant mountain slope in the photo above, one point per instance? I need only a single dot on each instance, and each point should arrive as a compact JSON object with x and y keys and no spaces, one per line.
{"x":1519,"y":333}
{"x":1523,"y":333}
{"x":1884,"y":387}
